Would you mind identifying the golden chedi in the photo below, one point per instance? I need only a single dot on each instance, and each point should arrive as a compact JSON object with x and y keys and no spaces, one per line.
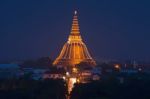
{"x":74,"y":51}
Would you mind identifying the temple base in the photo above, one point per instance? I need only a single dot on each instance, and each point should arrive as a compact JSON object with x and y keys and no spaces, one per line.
{"x":69,"y":62}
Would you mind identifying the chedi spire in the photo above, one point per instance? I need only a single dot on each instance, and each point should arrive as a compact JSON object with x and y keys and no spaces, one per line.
{"x":75,"y":26}
{"x":74,"y":50}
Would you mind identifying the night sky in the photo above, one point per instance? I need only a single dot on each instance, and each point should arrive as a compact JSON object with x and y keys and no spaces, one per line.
{"x":111,"y":29}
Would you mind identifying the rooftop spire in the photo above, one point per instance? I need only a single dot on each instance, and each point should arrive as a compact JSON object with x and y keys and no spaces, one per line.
{"x":75,"y":26}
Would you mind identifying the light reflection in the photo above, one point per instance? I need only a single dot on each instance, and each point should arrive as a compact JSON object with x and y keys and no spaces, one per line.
{"x":71,"y":83}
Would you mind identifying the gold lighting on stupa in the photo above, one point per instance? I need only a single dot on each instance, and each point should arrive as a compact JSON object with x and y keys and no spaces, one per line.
{"x":74,"y":50}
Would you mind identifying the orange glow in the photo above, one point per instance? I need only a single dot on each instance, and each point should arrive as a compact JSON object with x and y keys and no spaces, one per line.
{"x":78,"y":80}
{"x":75,"y":70}
{"x":74,"y":50}
{"x":117,"y":66}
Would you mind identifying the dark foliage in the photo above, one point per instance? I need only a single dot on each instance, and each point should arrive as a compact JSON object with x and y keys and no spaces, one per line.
{"x":132,"y":88}
{"x":31,"y":89}
{"x":44,"y":62}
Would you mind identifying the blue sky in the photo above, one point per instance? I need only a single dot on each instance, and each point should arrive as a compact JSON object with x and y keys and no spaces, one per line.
{"x":111,"y":29}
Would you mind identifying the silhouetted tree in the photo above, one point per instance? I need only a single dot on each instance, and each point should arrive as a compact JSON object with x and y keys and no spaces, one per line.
{"x":44,"y":62}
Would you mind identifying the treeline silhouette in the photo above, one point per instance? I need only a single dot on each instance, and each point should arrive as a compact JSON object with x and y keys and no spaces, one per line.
{"x":131,"y":88}
{"x":32,"y":89}
{"x":43,"y":62}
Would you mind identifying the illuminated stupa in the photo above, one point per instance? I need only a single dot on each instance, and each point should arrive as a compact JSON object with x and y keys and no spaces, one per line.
{"x":74,"y":50}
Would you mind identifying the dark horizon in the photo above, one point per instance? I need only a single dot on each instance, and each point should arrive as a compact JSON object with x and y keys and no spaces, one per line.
{"x":110,"y":29}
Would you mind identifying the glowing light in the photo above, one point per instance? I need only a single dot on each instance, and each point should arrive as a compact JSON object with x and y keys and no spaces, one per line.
{"x":64,"y":78}
{"x":140,"y":69}
{"x":78,"y":80}
{"x":75,"y":12}
{"x":73,"y":80}
{"x":75,"y":70}
{"x":117,"y":66}
{"x":67,"y":73}
{"x":71,"y":83}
